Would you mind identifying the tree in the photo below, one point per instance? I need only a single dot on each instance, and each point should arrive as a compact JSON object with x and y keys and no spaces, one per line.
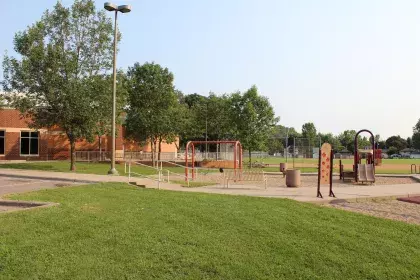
{"x":254,"y":118}
{"x":309,"y":132}
{"x":381,"y":144}
{"x":276,"y":140}
{"x":153,"y":112}
{"x":101,"y":86}
{"x":416,"y":136}
{"x":2,"y":101}
{"x":396,"y":142}
{"x":347,"y":139}
{"x":392,"y":151}
{"x":409,"y":142}
{"x":57,"y":57}
{"x":416,"y":140}
{"x":330,"y":138}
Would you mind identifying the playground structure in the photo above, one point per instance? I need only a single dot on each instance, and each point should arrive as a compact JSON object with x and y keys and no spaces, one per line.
{"x":363,"y":172}
{"x":325,"y":168}
{"x":414,"y":169}
{"x":237,"y":155}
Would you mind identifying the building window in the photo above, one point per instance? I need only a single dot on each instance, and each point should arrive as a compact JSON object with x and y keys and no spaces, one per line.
{"x":2,"y":141}
{"x":29,"y":143}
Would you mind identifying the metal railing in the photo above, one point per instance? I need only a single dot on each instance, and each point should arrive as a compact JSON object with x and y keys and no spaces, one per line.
{"x":103,"y":156}
{"x":130,"y":173}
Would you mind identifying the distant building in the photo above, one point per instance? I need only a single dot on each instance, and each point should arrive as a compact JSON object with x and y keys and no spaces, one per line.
{"x":19,"y":142}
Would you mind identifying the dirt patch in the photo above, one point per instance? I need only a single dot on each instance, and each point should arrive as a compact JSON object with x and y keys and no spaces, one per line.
{"x":389,"y":209}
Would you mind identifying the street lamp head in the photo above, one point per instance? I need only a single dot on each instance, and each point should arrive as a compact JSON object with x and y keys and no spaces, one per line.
{"x":110,"y":7}
{"x":124,"y":9}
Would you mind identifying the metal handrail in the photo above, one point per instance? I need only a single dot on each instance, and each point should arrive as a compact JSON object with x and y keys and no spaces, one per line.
{"x":145,"y":176}
{"x":177,"y":174}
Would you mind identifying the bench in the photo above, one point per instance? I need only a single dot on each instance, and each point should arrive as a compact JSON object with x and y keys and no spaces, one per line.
{"x":347,"y":175}
{"x":248,"y":176}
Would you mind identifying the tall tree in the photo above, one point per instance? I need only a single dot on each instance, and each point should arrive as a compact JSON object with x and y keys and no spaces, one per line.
{"x":416,"y":136}
{"x":276,"y":140}
{"x":2,"y":101}
{"x":347,"y":139}
{"x":57,"y":56}
{"x":310,"y":138}
{"x":152,"y":105}
{"x":409,"y":142}
{"x":396,"y":141}
{"x":330,"y":138}
{"x":101,"y":86}
{"x":254,"y":118}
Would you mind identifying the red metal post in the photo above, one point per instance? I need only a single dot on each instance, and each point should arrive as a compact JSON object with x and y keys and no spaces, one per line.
{"x":193,"y":160}
{"x":186,"y":160}
{"x":235,"y":150}
{"x":241,"y":156}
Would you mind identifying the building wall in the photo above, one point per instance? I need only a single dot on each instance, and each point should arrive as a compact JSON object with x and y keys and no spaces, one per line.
{"x":53,"y":143}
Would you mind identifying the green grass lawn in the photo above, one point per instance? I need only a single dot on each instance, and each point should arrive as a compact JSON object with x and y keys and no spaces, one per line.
{"x":115,"y":231}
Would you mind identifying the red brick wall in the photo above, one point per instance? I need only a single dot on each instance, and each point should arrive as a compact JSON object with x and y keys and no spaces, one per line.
{"x":12,"y":118}
{"x":55,"y":145}
{"x":12,"y":147}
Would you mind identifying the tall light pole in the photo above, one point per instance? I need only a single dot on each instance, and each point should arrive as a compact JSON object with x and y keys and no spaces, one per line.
{"x":123,"y":9}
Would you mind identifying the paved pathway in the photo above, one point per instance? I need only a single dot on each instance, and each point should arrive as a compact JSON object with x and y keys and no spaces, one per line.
{"x":301,"y":194}
{"x":17,"y":180}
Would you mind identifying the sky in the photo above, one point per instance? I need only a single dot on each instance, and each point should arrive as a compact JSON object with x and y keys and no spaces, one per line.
{"x":339,"y":64}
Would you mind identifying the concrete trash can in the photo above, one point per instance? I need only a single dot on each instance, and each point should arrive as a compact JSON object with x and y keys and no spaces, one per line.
{"x":293,"y":178}
{"x":283,"y":167}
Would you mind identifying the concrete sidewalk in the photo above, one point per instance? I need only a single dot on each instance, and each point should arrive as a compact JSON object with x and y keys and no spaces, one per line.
{"x":78,"y":177}
{"x":309,"y":193}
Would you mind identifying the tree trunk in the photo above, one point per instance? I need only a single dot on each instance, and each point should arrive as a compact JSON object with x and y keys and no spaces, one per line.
{"x":72,"y":154}
{"x":250,"y":162}
{"x":152,"y":151}
{"x":100,"y":148}
{"x":160,"y":148}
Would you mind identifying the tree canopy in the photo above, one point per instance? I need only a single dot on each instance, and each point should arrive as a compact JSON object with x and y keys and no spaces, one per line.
{"x":152,"y":114}
{"x":61,"y":58}
{"x":416,"y":136}
{"x":254,"y":118}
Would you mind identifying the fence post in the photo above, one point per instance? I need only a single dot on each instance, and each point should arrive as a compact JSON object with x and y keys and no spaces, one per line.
{"x":168,"y":176}
{"x":160,"y":173}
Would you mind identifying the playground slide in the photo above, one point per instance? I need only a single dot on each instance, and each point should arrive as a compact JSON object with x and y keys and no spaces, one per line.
{"x":370,"y":173}
{"x":361,"y":172}
{"x":365,"y":173}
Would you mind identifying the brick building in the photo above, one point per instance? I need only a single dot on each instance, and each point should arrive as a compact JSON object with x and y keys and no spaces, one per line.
{"x":19,"y":142}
